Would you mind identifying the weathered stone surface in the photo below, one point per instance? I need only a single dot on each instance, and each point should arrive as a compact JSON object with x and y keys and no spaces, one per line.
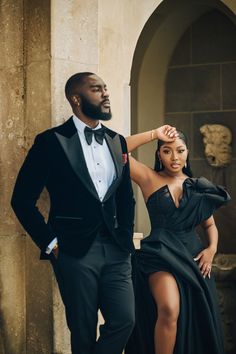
{"x":212,"y":28}
{"x":61,"y":335}
{"x":74,"y":32}
{"x":37,"y":30}
{"x":38,"y":95}
{"x":39,"y":320}
{"x":228,"y":80}
{"x":25,"y":103}
{"x":182,"y":53}
{"x":204,"y":91}
{"x":11,"y":30}
{"x":11,"y":139}
{"x":12,"y":294}
{"x":193,"y":88}
{"x":224,"y":268}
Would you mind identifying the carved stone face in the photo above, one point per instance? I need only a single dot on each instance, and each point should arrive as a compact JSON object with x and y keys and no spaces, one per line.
{"x":217,"y":139}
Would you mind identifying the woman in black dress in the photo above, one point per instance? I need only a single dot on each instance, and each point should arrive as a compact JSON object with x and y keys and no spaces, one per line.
{"x":176,"y":300}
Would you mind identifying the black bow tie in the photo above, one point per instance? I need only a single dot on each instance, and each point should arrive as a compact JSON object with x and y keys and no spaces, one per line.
{"x":98,"y":134}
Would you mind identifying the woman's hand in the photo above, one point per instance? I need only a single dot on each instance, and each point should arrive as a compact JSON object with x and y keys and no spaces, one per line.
{"x":205,"y":259}
{"x":166,"y":133}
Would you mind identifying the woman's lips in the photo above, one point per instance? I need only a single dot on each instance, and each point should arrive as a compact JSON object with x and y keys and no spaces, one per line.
{"x":175,"y":165}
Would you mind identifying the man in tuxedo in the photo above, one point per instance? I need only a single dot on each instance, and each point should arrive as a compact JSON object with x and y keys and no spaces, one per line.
{"x":88,"y":236}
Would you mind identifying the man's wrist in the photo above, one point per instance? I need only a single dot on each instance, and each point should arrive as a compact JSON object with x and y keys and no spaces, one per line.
{"x":51,"y":245}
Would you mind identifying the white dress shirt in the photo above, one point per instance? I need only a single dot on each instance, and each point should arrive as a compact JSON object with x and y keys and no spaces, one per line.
{"x":99,"y":163}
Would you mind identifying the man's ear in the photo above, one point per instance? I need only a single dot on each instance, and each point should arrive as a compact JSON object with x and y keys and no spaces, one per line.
{"x":75,"y":99}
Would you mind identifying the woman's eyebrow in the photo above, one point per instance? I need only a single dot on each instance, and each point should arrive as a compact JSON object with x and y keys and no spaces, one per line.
{"x":169,"y":147}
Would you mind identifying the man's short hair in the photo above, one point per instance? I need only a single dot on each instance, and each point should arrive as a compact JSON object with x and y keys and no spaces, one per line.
{"x":74,"y":82}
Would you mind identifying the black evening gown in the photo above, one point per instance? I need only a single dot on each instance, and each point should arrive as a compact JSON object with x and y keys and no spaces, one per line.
{"x":171,"y":246}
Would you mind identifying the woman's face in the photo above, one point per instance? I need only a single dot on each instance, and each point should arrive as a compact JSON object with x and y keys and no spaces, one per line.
{"x":173,"y":155}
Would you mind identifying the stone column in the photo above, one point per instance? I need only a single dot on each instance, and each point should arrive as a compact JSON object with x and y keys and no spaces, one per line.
{"x":25,"y":283}
{"x":37,"y":117}
{"x":12,"y":260}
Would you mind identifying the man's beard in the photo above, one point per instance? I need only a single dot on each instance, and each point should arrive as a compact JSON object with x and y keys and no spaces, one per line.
{"x":92,"y":111}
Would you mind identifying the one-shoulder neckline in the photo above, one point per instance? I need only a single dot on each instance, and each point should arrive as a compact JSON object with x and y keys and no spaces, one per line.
{"x":167,"y":187}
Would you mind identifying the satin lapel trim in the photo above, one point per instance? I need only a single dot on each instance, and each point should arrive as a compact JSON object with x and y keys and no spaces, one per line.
{"x":74,"y":152}
{"x":114,"y":146}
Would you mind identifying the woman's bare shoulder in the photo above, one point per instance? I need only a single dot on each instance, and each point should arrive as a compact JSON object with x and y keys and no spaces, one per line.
{"x":154,"y":180}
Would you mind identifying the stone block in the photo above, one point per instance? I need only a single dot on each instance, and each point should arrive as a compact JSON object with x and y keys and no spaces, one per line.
{"x":38,"y":96}
{"x":228,"y":85}
{"x":11,"y":33}
{"x":37,"y":30}
{"x":200,"y":168}
{"x":213,"y":39}
{"x":182,"y":52}
{"x":77,"y":23}
{"x":12,"y":294}
{"x":11,"y":139}
{"x":193,"y":88}
{"x":61,"y":334}
{"x":225,"y":221}
{"x":39,"y":307}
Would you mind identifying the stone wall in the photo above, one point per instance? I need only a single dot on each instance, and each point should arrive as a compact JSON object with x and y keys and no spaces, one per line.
{"x":12,"y":257}
{"x":200,"y":90}
{"x":25,"y":283}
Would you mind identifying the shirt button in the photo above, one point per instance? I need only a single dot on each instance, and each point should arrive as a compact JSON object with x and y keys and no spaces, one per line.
{"x":102,"y":204}
{"x":98,"y":163}
{"x":99,"y":181}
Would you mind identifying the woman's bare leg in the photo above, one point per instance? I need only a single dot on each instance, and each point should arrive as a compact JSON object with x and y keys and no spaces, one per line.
{"x":165,"y":292}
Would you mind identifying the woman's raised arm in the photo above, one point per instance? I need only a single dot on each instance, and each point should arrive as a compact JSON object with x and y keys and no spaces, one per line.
{"x":165,"y":132}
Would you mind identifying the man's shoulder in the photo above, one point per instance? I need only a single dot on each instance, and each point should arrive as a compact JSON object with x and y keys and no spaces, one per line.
{"x":113,"y":133}
{"x":50,"y":132}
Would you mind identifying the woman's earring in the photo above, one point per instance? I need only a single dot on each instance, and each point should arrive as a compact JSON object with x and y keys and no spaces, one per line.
{"x":185,"y":165}
{"x":160,"y":163}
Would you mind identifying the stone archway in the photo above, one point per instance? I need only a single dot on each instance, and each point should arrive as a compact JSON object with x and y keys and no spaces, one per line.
{"x":153,"y":52}
{"x":205,"y":60}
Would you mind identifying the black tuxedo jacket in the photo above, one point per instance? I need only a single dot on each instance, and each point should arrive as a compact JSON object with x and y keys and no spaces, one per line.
{"x":56,"y":161}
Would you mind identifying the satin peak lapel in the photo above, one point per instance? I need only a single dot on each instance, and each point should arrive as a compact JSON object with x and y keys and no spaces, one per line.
{"x":114,"y":146}
{"x":74,"y":152}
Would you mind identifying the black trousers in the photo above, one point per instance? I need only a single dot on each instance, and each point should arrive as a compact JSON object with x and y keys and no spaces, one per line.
{"x":99,"y":280}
